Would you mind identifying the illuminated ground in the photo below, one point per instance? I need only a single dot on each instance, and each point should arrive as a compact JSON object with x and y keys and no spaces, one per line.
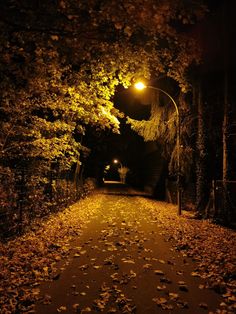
{"x":130,"y":255}
{"x":123,"y":263}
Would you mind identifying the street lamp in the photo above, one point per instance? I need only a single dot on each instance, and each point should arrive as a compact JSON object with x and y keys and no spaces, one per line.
{"x":116,"y":161}
{"x":141,"y":86}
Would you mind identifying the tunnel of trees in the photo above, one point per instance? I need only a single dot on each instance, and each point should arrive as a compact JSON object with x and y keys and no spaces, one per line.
{"x":61,"y":64}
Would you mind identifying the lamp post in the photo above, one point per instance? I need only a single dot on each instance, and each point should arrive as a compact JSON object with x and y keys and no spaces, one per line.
{"x":116,"y":161}
{"x":122,"y":170}
{"x":141,"y":86}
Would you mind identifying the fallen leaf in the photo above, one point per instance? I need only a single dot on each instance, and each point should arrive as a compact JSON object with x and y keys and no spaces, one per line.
{"x":159,"y":300}
{"x":195,"y":274}
{"x":75,"y":293}
{"x":35,"y":291}
{"x":160,"y":288}
{"x":167,"y":306}
{"x":161,"y":261}
{"x":75,"y":307}
{"x":232,"y":298}
{"x":97,"y":266}
{"x":84,"y":267}
{"x":183,"y":288}
{"x":182,"y":304}
{"x":158,"y":272}
{"x":203,"y":305}
{"x":128,"y":260}
{"x":166,"y":280}
{"x":86,"y":310}
{"x":47,"y":299}
{"x":173,"y":296}
{"x":56,"y":276}
{"x":83,"y":293}
{"x":114,"y":277}
{"x":147,"y":266}
{"x":61,"y":309}
{"x":132,"y":274}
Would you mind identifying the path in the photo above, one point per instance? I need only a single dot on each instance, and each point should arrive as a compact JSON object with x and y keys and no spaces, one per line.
{"x":122,"y":263}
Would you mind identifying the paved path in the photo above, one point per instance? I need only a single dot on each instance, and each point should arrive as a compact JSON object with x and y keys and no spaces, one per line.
{"x":122,"y":263}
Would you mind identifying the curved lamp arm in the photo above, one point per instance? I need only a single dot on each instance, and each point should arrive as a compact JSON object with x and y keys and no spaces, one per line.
{"x":141,"y":86}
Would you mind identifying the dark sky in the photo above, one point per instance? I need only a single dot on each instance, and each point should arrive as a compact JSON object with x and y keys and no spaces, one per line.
{"x":217,"y":34}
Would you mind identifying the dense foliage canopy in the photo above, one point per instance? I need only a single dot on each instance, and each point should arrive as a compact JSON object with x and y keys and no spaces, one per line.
{"x":61,"y":61}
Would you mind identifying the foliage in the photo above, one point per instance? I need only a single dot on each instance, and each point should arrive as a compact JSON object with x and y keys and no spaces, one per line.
{"x":123,"y":173}
{"x":61,"y":83}
{"x":60,"y":63}
{"x":34,"y":196}
{"x":89,"y":185}
{"x":162,"y":127}
{"x":123,"y":170}
{"x":161,"y":120}
{"x":8,"y":214}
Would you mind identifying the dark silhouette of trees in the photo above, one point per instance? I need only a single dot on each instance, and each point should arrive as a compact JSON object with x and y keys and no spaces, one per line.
{"x":61,"y":63}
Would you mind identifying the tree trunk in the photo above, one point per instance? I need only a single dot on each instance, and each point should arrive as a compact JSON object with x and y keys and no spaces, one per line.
{"x":202,"y":190}
{"x":225,"y":128}
{"x":226,"y":168}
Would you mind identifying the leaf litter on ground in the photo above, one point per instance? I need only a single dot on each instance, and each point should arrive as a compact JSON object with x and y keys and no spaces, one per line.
{"x":32,"y":258}
{"x":211,"y":246}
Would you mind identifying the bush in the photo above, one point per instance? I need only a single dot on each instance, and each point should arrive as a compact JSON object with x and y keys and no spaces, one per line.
{"x":89,"y":185}
{"x":8,"y":200}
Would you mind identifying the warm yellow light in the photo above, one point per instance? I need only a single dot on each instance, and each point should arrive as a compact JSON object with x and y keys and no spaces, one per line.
{"x":140,"y":85}
{"x":115,"y":161}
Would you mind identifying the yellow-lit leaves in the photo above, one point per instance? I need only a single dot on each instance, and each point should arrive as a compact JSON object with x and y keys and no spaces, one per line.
{"x":29,"y":259}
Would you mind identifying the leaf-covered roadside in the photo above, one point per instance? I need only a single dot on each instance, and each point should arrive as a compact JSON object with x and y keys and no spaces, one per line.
{"x":27,"y":260}
{"x":212,"y":247}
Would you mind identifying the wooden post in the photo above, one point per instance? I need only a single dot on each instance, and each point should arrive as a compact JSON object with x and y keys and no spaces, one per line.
{"x":214,"y":197}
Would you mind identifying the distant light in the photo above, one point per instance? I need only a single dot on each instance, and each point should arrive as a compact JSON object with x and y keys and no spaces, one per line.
{"x":140,"y":85}
{"x":115,"y":161}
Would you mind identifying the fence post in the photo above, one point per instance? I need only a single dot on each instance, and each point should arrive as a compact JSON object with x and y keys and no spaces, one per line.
{"x":214,"y":197}
{"x":21,"y":198}
{"x":167,"y":192}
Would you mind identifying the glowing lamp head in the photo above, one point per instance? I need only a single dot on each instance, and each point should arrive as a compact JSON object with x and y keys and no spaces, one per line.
{"x":140,"y":85}
{"x":115,"y":161}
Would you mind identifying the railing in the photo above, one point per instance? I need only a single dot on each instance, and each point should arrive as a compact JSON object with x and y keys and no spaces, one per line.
{"x":219,"y":196}
{"x":24,"y":198}
{"x":218,"y":193}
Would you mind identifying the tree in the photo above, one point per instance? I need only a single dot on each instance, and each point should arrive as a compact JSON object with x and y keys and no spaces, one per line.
{"x":202,"y":186}
{"x":215,"y":116}
{"x":123,"y":173}
{"x":62,"y":61}
{"x":162,"y":127}
{"x":226,"y":167}
{"x":56,"y":60}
